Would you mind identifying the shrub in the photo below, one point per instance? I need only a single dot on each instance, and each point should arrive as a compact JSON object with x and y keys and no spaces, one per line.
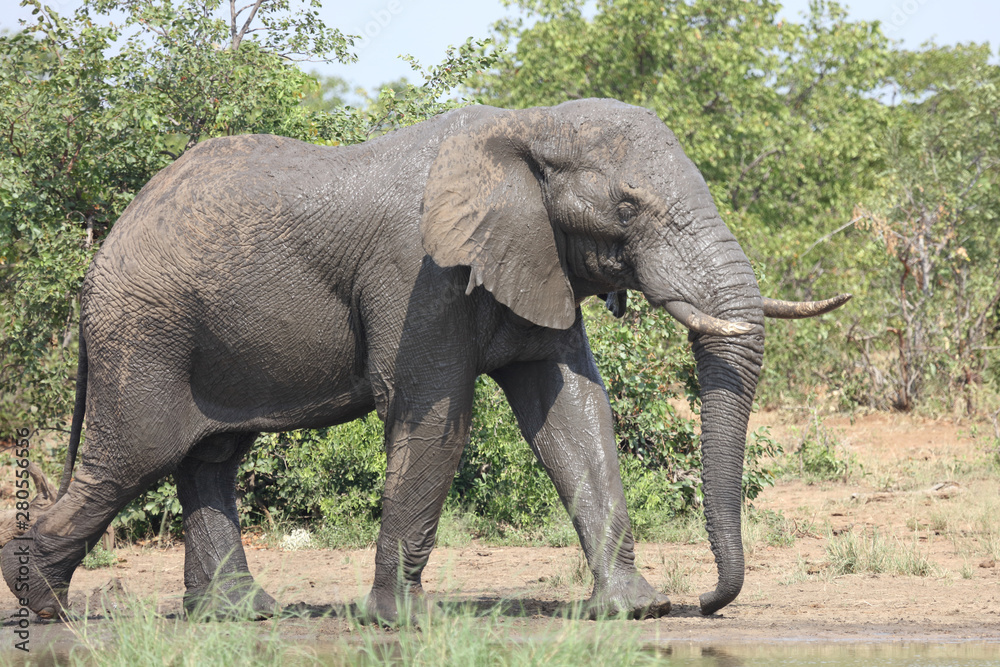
{"x":99,"y":557}
{"x":313,"y":475}
{"x":499,"y":476}
{"x":817,"y":455}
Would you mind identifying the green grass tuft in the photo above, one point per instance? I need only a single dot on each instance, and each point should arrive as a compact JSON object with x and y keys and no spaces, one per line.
{"x":854,"y":553}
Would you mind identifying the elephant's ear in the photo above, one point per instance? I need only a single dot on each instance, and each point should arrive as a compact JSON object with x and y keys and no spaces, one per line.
{"x":484,"y":208}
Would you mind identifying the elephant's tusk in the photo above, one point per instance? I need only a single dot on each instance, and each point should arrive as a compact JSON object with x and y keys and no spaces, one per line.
{"x":699,"y":322}
{"x":794,"y":310}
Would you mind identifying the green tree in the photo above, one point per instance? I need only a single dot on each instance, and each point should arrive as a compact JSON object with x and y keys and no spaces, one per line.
{"x":778,"y":116}
{"x":400,"y":103}
{"x":932,"y":321}
{"x":69,"y":163}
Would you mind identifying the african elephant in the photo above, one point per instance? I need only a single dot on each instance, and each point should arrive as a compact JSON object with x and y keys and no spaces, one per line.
{"x":265,"y":284}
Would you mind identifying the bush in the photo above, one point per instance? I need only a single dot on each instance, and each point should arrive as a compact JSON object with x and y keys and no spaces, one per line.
{"x":756,"y":476}
{"x":333,"y":473}
{"x":817,"y":455}
{"x":499,"y":476}
{"x":647,"y":366}
{"x":99,"y":557}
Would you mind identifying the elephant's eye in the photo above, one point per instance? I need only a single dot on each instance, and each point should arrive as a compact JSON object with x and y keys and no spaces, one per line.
{"x":626,"y":211}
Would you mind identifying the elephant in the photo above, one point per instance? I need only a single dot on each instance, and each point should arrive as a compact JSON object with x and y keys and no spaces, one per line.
{"x":263,"y":284}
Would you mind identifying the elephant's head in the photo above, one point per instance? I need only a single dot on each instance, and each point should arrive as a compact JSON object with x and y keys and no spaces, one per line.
{"x":549,"y":206}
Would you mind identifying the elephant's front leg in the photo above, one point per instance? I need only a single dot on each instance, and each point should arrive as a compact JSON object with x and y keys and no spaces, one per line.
{"x":424,"y":442}
{"x":563,"y":411}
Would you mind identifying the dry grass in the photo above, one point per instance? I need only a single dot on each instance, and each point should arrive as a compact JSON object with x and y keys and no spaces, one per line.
{"x":873,"y":552}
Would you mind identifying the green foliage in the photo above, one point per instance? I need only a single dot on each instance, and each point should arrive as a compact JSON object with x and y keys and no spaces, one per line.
{"x":646,"y":364}
{"x":929,"y":331}
{"x":63,"y":173}
{"x":499,"y":476}
{"x":399,"y":104}
{"x":157,"y":511}
{"x":312,"y":474}
{"x":760,"y":450}
{"x":770,"y":111}
{"x":99,"y":557}
{"x":817,"y":456}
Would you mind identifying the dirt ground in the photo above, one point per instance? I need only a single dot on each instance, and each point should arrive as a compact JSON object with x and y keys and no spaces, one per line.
{"x":921,"y":483}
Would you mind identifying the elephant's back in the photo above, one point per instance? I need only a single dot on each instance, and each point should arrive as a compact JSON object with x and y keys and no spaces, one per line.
{"x":220,"y":188}
{"x":222,"y":207}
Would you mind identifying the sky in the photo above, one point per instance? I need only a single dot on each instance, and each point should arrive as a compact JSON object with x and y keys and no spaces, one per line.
{"x":425,"y":28}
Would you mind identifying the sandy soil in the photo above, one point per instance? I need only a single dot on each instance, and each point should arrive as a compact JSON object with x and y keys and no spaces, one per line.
{"x":923,"y":484}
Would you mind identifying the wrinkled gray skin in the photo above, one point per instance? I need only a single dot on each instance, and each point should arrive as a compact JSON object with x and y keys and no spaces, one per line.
{"x":263,"y":284}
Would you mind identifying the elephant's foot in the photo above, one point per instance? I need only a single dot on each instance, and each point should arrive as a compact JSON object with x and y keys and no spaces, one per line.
{"x":233,"y":597}
{"x":389,"y":608}
{"x":632,"y":597}
{"x":44,"y":594}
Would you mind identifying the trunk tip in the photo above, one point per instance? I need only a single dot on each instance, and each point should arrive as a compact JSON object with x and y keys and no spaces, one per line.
{"x":713,"y":601}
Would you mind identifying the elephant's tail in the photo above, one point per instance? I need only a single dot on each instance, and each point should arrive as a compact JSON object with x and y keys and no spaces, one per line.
{"x":78,"y":411}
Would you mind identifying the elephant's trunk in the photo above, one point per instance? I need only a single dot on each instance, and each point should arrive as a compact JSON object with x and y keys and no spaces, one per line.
{"x":720,"y":283}
{"x":706,"y":269}
{"x":727,"y":372}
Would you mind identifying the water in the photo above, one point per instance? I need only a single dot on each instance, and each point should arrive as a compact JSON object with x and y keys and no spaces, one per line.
{"x":832,"y":654}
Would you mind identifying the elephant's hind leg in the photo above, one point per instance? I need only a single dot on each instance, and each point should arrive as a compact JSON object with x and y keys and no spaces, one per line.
{"x":216,"y":575}
{"x":39,"y":565}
